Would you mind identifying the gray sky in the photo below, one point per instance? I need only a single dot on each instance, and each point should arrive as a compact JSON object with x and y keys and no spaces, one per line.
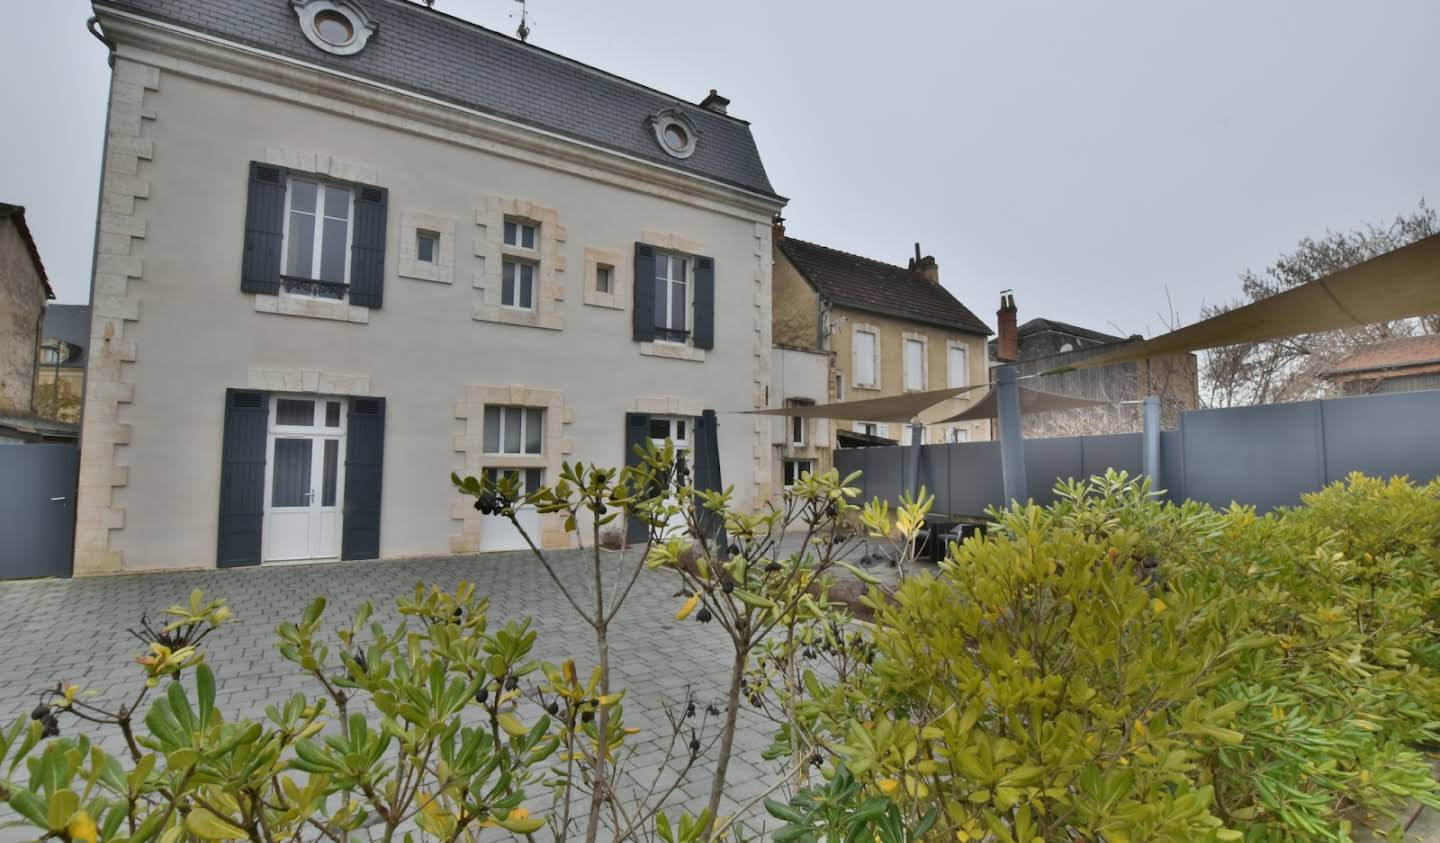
{"x":1089,"y":155}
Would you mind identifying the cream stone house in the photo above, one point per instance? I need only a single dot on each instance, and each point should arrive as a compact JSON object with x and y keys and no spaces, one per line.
{"x":887,"y":330}
{"x":350,"y":246}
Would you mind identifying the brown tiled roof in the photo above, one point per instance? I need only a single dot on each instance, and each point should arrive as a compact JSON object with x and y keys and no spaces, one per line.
{"x":18,"y":213}
{"x":877,"y":287}
{"x":1402,"y":353}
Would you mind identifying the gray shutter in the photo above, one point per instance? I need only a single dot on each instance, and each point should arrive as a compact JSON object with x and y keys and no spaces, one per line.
{"x":704,"y":334}
{"x":364,"y":460}
{"x":367,"y":250}
{"x":707,"y":475}
{"x":264,"y":229}
{"x":644,"y":281}
{"x":637,"y":432}
{"x":242,"y":478}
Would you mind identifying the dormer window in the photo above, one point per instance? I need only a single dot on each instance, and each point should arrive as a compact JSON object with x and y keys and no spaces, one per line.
{"x":675,"y":132}
{"x":336,"y":26}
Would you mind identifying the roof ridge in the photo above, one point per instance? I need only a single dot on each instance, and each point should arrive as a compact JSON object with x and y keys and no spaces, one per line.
{"x":886,"y":264}
{"x":457,"y":20}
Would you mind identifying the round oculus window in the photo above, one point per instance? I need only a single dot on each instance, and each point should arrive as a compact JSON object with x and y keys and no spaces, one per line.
{"x":676,"y":137}
{"x":334,"y":27}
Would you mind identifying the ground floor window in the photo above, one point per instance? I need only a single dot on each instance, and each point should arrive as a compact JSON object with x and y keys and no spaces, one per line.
{"x":674,"y":428}
{"x":531,"y":479}
{"x":793,"y":469}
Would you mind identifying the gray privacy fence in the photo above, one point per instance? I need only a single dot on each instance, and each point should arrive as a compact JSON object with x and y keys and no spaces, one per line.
{"x":1267,"y":456}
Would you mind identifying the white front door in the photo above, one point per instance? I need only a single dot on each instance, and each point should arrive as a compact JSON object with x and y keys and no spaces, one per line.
{"x":304,"y":478}
{"x":676,"y":429}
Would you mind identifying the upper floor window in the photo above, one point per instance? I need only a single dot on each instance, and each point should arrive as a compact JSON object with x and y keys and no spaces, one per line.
{"x":517,"y":285}
{"x":914,"y":364}
{"x":604,"y":278}
{"x":866,"y":358}
{"x":519,"y":234}
{"x":672,"y":301}
{"x":798,"y":424}
{"x":959,"y":366}
{"x":514,"y":430}
{"x":317,"y":238}
{"x":427,"y":243}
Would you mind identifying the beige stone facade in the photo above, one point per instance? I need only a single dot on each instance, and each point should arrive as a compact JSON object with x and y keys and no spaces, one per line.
{"x":803,"y":319}
{"x":188,"y":116}
{"x":23,"y":292}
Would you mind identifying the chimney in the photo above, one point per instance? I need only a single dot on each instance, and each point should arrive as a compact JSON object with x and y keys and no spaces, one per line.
{"x":777,"y":228}
{"x":715,"y":103}
{"x":1007,"y":340}
{"x":925,"y":266}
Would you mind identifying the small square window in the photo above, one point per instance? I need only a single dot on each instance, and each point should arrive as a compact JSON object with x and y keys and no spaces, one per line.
{"x":604,"y":278}
{"x":520,"y":235}
{"x":426,"y":244}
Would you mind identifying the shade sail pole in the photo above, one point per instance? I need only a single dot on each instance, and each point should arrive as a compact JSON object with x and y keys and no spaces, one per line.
{"x":1012,"y":444}
{"x":1151,"y":454}
{"x":912,"y":458}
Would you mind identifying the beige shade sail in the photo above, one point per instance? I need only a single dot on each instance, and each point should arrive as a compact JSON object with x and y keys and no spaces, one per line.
{"x":1395,"y":285}
{"x":1031,"y":401}
{"x":892,"y":408}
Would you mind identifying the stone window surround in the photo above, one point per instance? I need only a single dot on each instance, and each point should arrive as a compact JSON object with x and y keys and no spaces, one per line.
{"x":471,"y":457}
{"x":361,"y":25}
{"x":924,"y":341}
{"x":620,"y":272}
{"x":321,"y":164}
{"x":442,"y":269}
{"x":668,"y":242}
{"x":492,"y":251}
{"x":855,"y":328}
{"x":313,"y":381}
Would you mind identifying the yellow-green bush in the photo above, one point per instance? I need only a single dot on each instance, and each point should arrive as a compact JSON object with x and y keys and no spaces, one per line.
{"x":1116,"y":668}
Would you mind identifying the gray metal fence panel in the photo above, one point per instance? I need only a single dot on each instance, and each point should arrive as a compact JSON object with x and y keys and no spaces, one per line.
{"x":1265,"y":456}
{"x":1383,"y":435}
{"x":37,"y":509}
{"x":1048,"y":461}
{"x":1172,"y":466}
{"x":885,"y":472}
{"x":849,"y":461}
{"x":975,"y":481}
{"x":1120,"y":451}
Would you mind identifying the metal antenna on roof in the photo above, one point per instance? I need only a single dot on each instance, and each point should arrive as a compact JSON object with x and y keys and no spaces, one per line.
{"x":524,"y":30}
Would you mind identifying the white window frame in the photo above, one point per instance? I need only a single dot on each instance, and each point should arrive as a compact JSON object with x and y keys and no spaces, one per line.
{"x":956,"y":435}
{"x":961,"y":378}
{"x":801,"y":466}
{"x":498,"y":472}
{"x":317,"y":246}
{"x":689,"y":283}
{"x":607,"y":272}
{"x":839,"y":386}
{"x":874,"y":381}
{"x":521,"y":226}
{"x":915,"y":381}
{"x":681,"y":443}
{"x":422,"y":234}
{"x":799,"y":425}
{"x":524,"y":413}
{"x":507,"y":262}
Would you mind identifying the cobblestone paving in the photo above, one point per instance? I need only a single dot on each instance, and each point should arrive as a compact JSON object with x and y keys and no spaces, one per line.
{"x":74,"y":630}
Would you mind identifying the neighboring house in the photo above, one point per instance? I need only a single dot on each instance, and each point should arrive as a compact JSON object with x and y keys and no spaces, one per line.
{"x":24,"y":290}
{"x":1040,"y":345}
{"x":888,"y":330}
{"x":382,"y":244}
{"x":1406,"y":364}
{"x":60,"y":372}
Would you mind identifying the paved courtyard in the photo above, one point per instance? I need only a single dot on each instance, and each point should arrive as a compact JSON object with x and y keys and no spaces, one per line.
{"x":74,"y":630}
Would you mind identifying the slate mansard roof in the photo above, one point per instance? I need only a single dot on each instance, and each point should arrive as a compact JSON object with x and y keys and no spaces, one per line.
{"x":877,"y":287}
{"x":446,"y":58}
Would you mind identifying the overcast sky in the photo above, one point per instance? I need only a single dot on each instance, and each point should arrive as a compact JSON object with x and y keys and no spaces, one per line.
{"x":1090,"y":155}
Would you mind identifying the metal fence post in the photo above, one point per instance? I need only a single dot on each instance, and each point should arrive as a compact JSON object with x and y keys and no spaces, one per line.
{"x":1012,"y":445}
{"x":912,"y":458}
{"x":1150,"y":443}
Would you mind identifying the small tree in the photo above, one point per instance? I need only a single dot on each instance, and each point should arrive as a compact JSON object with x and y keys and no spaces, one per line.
{"x":1289,"y":369}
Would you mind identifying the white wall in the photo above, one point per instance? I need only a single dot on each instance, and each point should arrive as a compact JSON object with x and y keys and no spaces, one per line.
{"x":198,"y":334}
